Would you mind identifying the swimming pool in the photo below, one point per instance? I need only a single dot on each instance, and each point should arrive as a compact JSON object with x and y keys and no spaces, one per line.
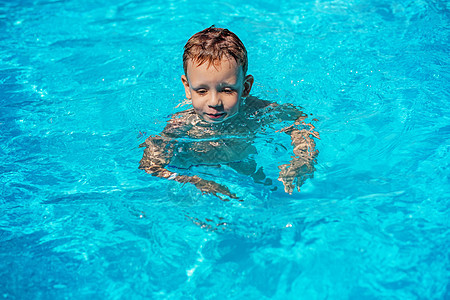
{"x":83,"y":83}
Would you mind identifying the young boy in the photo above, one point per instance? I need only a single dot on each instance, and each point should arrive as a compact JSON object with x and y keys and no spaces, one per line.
{"x":224,"y":120}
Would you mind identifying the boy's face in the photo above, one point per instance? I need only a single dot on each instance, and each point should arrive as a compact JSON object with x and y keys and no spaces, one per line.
{"x":216,"y":90}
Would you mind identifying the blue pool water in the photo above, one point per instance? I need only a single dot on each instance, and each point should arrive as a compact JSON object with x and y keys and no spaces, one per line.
{"x":83,"y":83}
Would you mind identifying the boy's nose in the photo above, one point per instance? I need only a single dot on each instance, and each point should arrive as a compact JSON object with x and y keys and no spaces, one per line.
{"x":214,"y":100}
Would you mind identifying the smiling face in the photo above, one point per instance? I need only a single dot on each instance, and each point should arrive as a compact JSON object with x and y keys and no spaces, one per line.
{"x":216,"y":89}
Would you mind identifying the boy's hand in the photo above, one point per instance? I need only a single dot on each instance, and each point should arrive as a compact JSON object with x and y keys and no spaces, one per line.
{"x":211,"y":187}
{"x":294,"y":174}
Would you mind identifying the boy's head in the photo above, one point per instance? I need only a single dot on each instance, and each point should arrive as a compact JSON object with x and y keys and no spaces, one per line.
{"x":215,"y":64}
{"x":213,"y":44}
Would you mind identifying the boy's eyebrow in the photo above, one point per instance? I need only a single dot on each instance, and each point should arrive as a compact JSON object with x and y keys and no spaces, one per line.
{"x":201,"y":86}
{"x":221,"y":85}
{"x":226,"y":84}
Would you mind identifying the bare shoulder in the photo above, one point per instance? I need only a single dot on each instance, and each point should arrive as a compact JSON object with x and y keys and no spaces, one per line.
{"x":176,"y":126}
{"x":274,"y":111}
{"x":253,"y":103}
{"x":180,"y":123}
{"x":184,"y":115}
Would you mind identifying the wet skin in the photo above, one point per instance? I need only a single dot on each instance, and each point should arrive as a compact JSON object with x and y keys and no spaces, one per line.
{"x":220,"y":128}
{"x":216,"y":90}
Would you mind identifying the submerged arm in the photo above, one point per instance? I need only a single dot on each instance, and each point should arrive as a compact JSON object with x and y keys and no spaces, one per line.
{"x":156,"y":157}
{"x":301,"y":166}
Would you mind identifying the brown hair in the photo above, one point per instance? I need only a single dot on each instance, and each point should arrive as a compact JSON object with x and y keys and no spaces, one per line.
{"x":211,"y":45}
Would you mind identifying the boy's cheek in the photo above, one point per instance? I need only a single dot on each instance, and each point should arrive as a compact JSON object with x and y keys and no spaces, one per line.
{"x":197,"y":107}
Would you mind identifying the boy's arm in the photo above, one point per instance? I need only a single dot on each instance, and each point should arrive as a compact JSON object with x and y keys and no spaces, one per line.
{"x":301,"y":166}
{"x":156,"y":157}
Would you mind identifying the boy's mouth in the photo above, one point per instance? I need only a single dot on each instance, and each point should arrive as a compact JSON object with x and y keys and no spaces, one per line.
{"x":216,"y":115}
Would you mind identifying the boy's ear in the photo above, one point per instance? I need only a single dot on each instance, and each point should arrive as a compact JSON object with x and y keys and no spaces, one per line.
{"x":248,"y":83}
{"x":185,"y":82}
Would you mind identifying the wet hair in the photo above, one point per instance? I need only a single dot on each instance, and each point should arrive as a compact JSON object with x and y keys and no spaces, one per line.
{"x":211,"y":45}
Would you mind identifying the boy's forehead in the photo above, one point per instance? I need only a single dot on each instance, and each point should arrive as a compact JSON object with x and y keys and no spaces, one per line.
{"x":218,"y":64}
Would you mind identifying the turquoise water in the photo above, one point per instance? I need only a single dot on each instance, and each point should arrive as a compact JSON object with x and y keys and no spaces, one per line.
{"x":83,"y":83}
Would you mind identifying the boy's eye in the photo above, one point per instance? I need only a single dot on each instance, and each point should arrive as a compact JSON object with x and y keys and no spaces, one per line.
{"x":201,"y":92}
{"x":228,"y":90}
